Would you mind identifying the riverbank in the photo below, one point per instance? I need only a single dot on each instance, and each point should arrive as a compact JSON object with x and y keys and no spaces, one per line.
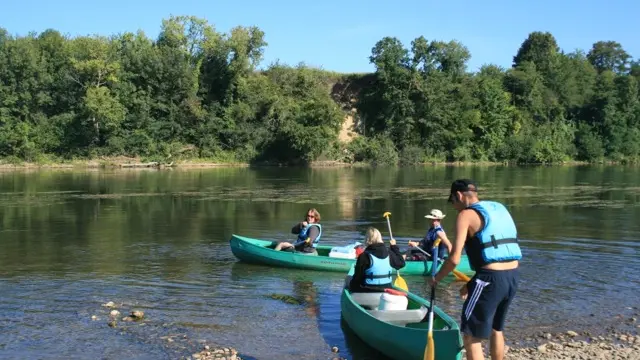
{"x":115,"y":163}
{"x":614,"y":338}
{"x":571,"y":345}
{"x":122,"y":162}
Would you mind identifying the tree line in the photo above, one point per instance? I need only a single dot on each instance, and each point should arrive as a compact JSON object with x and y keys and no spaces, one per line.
{"x":195,"y":92}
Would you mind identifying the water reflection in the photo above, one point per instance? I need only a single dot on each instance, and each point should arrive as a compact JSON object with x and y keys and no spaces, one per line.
{"x":358,"y":349}
{"x":307,"y":292}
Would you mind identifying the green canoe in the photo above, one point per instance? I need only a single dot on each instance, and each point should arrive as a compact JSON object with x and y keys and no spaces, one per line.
{"x":261,"y":252}
{"x":400,"y":334}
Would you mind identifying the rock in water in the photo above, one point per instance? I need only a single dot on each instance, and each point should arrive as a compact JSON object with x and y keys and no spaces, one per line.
{"x":137,"y":314}
{"x":216,"y":354}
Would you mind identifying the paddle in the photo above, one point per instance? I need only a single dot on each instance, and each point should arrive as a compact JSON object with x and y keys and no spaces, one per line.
{"x":457,"y":273}
{"x":399,"y":283}
{"x":430,"y":351}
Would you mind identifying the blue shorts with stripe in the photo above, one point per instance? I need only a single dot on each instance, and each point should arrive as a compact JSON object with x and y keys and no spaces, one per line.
{"x":490,"y":294}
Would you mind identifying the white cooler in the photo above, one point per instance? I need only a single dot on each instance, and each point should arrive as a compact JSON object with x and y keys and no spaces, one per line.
{"x":335,"y":253}
{"x":393,"y":302}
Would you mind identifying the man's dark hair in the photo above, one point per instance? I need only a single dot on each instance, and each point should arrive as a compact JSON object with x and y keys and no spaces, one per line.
{"x":462,"y":185}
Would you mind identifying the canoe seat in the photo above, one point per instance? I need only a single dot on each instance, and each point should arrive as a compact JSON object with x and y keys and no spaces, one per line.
{"x":369,"y":301}
{"x":400,"y":317}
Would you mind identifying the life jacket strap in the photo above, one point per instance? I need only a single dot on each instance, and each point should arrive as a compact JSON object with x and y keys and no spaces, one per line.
{"x":371,"y":276}
{"x":494,"y":243}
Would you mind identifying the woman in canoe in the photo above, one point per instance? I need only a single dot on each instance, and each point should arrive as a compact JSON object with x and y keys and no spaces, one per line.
{"x":435,"y":231}
{"x":375,"y":265}
{"x":309,"y":232}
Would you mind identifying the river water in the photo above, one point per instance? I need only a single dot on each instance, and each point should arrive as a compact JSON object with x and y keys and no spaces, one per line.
{"x":158,"y":241}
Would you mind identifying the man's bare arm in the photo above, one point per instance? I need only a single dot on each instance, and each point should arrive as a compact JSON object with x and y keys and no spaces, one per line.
{"x":445,"y":240}
{"x":462,"y":228}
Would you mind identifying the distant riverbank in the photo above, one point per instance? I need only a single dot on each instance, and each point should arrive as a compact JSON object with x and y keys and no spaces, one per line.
{"x":117,"y":162}
{"x":138,"y":163}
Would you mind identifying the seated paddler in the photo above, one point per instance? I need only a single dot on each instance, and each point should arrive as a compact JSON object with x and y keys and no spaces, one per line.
{"x":434,"y":232}
{"x":375,"y":266}
{"x":309,"y":232}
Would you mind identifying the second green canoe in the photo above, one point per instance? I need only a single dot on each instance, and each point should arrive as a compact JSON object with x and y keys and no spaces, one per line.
{"x":401,"y":334}
{"x":262,"y":252}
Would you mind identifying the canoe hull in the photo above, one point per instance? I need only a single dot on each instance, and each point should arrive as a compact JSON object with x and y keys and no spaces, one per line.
{"x":259,"y":252}
{"x":403,"y":342}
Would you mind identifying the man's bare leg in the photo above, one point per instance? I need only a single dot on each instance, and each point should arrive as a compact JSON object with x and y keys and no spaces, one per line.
{"x":473,"y":346}
{"x":497,"y":345}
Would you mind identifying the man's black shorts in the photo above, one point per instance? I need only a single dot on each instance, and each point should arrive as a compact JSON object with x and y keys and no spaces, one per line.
{"x":490,"y":294}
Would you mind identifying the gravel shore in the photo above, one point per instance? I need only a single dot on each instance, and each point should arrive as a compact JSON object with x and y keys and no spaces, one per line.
{"x":571,"y":345}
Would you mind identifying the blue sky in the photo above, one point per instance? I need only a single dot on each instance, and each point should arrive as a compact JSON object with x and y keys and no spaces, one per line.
{"x":339,"y":35}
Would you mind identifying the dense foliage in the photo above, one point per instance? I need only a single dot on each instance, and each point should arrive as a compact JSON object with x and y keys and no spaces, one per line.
{"x":549,"y":107}
{"x":194,"y":92}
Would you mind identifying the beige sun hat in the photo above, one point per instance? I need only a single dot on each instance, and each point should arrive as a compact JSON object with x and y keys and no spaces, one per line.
{"x":435,"y":214}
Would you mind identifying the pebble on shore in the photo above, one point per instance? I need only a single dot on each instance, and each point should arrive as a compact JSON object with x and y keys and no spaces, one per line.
{"x":624,"y":346}
{"x":221,"y":353}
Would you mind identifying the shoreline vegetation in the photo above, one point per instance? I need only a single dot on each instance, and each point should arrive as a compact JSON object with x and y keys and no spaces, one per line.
{"x":195,"y":95}
{"x":137,"y":163}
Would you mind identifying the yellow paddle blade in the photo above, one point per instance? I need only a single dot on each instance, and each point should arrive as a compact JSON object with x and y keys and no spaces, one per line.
{"x":461,"y":276}
{"x":400,"y":283}
{"x":430,"y":353}
{"x":386,"y":214}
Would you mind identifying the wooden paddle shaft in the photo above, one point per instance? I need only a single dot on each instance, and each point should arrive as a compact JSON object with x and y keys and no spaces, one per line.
{"x":389,"y":227}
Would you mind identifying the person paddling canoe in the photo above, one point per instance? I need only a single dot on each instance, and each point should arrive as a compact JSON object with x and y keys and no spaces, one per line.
{"x":435,"y":232}
{"x":309,"y":232}
{"x":487,"y":232}
{"x":373,"y":269}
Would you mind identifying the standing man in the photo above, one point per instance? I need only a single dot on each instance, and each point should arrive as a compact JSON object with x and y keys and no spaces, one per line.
{"x":487,"y":232}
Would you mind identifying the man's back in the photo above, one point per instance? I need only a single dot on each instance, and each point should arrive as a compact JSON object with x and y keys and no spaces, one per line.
{"x":475,"y":223}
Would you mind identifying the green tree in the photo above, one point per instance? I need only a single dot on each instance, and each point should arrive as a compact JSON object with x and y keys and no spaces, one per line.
{"x":197,"y":92}
{"x":609,"y":55}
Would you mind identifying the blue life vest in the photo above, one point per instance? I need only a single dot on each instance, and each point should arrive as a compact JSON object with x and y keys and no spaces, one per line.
{"x":379,"y":272}
{"x":302,"y":236}
{"x":429,"y":240}
{"x":497,"y":241}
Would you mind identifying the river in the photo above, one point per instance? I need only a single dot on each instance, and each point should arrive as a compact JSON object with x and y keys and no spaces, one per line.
{"x":158,"y":241}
